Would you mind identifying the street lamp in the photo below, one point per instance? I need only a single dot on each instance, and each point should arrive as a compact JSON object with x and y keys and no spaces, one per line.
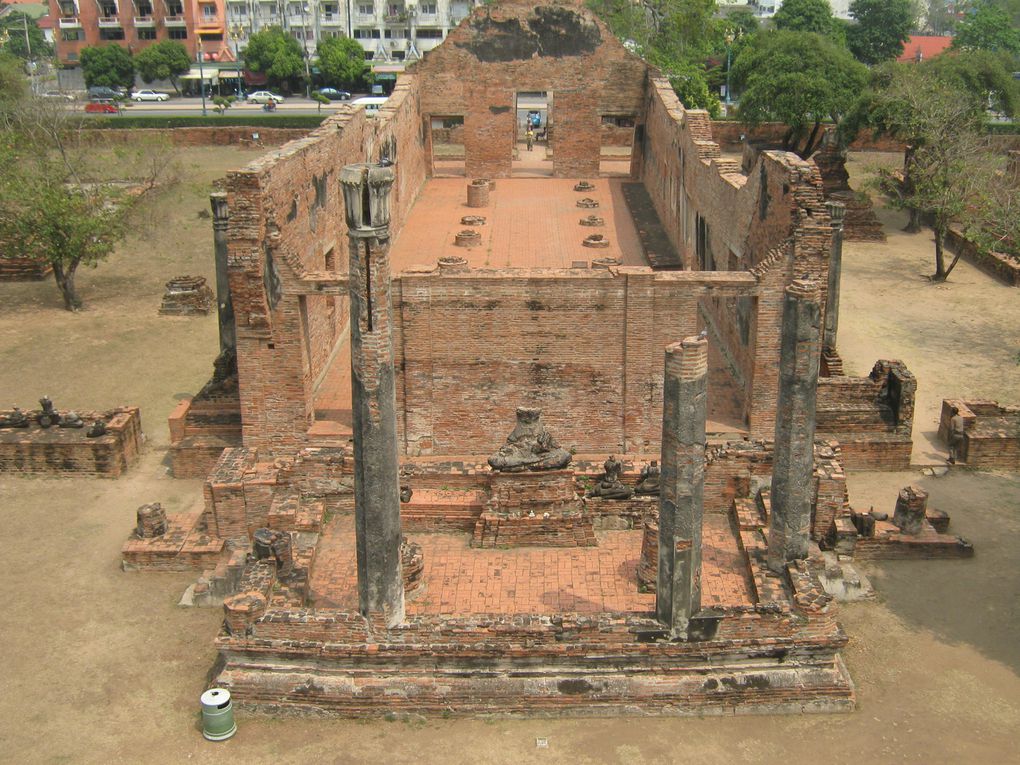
{"x":731,"y":37}
{"x":236,"y":32}
{"x":304,"y":49}
{"x":201,"y":73}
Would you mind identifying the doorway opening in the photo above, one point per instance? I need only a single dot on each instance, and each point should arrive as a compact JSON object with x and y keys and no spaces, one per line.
{"x":448,"y":147}
{"x":532,"y":131}
{"x":616,"y":144}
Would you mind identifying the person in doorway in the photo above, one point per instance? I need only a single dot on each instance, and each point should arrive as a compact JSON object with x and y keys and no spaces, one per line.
{"x":530,"y":138}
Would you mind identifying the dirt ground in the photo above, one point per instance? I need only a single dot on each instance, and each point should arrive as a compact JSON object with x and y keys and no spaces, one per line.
{"x":102,"y":666}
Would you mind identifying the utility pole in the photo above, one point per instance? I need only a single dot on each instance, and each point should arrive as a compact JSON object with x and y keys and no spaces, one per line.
{"x":201,"y":73}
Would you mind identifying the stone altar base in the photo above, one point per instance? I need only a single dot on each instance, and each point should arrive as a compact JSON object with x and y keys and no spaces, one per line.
{"x":534,"y":508}
{"x":595,"y":665}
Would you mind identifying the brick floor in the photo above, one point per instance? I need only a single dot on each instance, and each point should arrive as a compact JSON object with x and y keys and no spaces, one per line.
{"x":531,"y":223}
{"x":463,"y":580}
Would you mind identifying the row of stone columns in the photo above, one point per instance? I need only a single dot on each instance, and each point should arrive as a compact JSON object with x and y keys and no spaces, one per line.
{"x":678,"y":592}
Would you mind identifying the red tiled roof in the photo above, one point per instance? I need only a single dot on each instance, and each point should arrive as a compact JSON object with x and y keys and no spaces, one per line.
{"x":44,"y":23}
{"x":924,"y":47}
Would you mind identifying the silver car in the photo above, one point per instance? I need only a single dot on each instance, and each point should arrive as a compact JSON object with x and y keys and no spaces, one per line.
{"x":264,"y":97}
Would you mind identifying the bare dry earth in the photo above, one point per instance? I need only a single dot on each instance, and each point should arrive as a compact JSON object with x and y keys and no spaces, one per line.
{"x":101,"y":666}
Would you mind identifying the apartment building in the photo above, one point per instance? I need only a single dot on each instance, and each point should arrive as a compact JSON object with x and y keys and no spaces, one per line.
{"x":388,"y":30}
{"x":135,"y":24}
{"x":768,"y":8}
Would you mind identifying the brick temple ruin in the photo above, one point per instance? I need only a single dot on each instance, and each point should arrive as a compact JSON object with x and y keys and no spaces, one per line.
{"x":659,"y":529}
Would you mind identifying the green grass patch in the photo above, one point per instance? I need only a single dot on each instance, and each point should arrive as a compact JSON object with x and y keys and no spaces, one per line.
{"x":128,"y":122}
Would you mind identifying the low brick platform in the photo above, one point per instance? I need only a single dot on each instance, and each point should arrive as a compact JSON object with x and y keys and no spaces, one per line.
{"x":68,"y":451}
{"x":183,"y":547}
{"x":24,"y":270}
{"x":992,"y":433}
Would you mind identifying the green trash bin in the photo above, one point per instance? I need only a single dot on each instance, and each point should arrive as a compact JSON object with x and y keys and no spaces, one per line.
{"x":217,"y":715}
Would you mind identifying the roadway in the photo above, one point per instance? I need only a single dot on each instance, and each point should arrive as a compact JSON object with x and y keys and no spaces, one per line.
{"x":193,"y":106}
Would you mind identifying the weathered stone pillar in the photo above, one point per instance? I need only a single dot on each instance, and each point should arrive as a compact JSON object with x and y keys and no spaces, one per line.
{"x":682,"y":483}
{"x":911,"y":505}
{"x":793,"y":461}
{"x":366,"y":190}
{"x":224,"y":305}
{"x":837,"y":212}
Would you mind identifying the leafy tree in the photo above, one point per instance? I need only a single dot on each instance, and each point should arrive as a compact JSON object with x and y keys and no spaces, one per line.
{"x":276,"y":54}
{"x":676,"y":36}
{"x":800,"y":79}
{"x":165,"y":60}
{"x":939,"y":19}
{"x":14,"y":23}
{"x":222,"y":103}
{"x":341,"y":60}
{"x":881,"y":29}
{"x":108,"y":65}
{"x":982,"y":76}
{"x":13,"y":84}
{"x":808,"y":16}
{"x":319,"y":100}
{"x":741,"y":23}
{"x":948,"y":169}
{"x":988,"y":28}
{"x":57,"y":201}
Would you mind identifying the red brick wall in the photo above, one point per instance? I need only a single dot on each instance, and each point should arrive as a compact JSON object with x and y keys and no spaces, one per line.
{"x":563,"y":50}
{"x":587,"y":349}
{"x":288,"y":204}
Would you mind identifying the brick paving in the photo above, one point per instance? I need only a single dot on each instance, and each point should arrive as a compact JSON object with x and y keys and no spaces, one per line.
{"x":532,"y":580}
{"x":531,"y":223}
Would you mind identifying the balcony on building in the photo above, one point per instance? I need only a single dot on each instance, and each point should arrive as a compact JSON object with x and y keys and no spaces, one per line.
{"x":143,"y":14}
{"x":68,"y":14}
{"x":395,"y":13}
{"x":108,"y":18}
{"x":174,"y":16}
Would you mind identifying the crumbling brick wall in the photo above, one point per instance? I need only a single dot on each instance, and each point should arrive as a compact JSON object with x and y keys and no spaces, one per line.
{"x":562,"y":50}
{"x":528,"y":338}
{"x":287,"y":223}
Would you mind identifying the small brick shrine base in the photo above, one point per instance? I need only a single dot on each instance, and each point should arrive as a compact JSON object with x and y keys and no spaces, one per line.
{"x":64,"y":451}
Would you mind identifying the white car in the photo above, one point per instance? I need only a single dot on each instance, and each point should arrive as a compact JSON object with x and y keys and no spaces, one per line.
{"x":263,"y":97}
{"x":149,"y":95}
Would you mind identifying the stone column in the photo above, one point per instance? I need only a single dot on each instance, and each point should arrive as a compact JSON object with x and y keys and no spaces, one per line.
{"x":837,"y":211}
{"x":682,"y":484}
{"x":224,"y":305}
{"x":366,"y":190}
{"x":793,"y":461}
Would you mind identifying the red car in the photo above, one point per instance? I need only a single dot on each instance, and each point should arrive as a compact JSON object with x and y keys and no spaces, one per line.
{"x":100,"y":107}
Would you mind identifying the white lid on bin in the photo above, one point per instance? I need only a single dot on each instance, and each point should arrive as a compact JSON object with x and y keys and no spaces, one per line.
{"x":215,"y":697}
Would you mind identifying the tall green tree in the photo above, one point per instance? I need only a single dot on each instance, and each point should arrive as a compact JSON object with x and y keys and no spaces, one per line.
{"x":676,"y":36}
{"x":108,"y":65}
{"x":948,"y":170}
{"x":809,"y":16}
{"x":801,"y":79}
{"x":49,"y":209}
{"x":981,"y":76}
{"x":881,"y":29}
{"x":341,"y":61}
{"x":165,"y":60}
{"x":276,"y":54}
{"x":16,"y":24}
{"x":988,"y":27}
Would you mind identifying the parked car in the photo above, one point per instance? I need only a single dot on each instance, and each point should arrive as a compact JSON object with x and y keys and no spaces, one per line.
{"x":371,"y":104}
{"x":103,"y":93}
{"x":149,"y":95}
{"x":264,"y":97}
{"x":101,"y":107}
{"x":334,"y":95}
{"x":56,"y":94}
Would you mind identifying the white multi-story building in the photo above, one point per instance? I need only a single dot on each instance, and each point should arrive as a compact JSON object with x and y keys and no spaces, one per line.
{"x":767,"y":8}
{"x":402,"y":30}
{"x":388,"y":30}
